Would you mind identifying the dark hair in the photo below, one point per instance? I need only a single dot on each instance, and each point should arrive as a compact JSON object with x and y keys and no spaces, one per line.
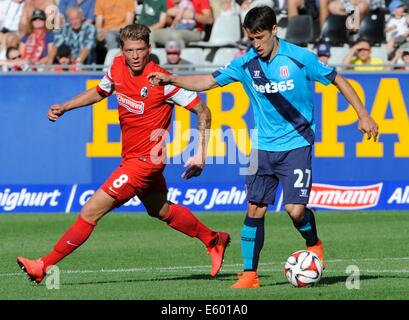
{"x":9,"y":49}
{"x":134,"y":32}
{"x":63,"y":51}
{"x":153,"y":57}
{"x":363,"y":40}
{"x":260,"y":19}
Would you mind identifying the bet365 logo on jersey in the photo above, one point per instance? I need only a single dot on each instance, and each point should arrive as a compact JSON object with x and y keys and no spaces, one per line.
{"x":274,"y":87}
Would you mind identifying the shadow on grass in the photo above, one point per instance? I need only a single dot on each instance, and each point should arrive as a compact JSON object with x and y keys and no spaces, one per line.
{"x":223,"y":277}
{"x":342,"y":279}
{"x":231,"y":277}
{"x":328,"y":280}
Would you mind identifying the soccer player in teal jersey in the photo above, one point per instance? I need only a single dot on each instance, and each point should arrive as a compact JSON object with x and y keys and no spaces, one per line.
{"x":277,"y":76}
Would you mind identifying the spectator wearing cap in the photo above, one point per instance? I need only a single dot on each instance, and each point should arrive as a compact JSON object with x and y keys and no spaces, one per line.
{"x":110,"y":17}
{"x":38,"y":46}
{"x":360,"y":56}
{"x":401,"y":57}
{"x":78,"y":35}
{"x":87,"y":8}
{"x":48,"y":6}
{"x":397,"y":26}
{"x":323,"y":52}
{"x":174,"y":61}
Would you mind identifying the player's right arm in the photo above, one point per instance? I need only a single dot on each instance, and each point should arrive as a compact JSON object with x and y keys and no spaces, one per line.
{"x":88,"y":97}
{"x":229,"y":73}
{"x":105,"y":88}
{"x":193,"y":83}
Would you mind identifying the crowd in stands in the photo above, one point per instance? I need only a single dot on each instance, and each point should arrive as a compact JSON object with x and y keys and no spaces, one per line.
{"x":67,"y":35}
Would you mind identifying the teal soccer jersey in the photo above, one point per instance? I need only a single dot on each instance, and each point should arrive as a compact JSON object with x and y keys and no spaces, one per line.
{"x":281,"y":94}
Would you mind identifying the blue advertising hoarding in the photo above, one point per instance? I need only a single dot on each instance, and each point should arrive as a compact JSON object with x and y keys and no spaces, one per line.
{"x":82,"y":148}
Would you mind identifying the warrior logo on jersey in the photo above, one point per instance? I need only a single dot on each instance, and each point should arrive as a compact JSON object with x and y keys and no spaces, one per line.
{"x":144,"y":92}
{"x":284,"y":73}
{"x":133,"y":106}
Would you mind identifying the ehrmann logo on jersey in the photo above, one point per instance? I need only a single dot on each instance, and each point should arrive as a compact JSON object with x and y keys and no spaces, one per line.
{"x":133,"y":106}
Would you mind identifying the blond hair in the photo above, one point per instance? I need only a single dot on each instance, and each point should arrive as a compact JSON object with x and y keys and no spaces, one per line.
{"x":134,"y":32}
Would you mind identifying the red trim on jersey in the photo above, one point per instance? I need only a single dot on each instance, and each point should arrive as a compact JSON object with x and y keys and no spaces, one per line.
{"x":102,"y":92}
{"x":109,"y":78}
{"x":171,"y":93}
{"x":193,"y":103}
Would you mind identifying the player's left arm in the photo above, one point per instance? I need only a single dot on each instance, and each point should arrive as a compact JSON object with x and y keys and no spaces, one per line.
{"x":318,"y":71}
{"x":196,"y":163}
{"x":366,"y":123}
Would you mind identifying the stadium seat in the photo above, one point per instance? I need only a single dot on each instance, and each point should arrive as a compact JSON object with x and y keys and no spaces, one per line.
{"x":226,"y":31}
{"x":334,"y":31}
{"x":281,"y":32}
{"x":338,"y":54}
{"x":380,"y":52}
{"x":282,"y":23}
{"x":109,"y":58}
{"x":372,"y":27}
{"x":194,"y":55}
{"x":224,"y":56}
{"x":300,"y":30}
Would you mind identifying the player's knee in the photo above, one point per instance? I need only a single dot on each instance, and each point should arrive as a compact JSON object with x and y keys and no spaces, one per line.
{"x":256,"y":210}
{"x":295,"y":212}
{"x":297,"y":216}
{"x":158,"y":213}
{"x":153,"y":213}
{"x":90,"y":212}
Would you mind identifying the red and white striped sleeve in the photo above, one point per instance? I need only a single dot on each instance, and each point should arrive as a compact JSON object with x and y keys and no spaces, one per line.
{"x":106,"y":85}
{"x":185,"y":98}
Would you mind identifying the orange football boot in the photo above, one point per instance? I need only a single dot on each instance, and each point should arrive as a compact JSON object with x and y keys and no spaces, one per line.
{"x":33,"y":268}
{"x":318,"y":250}
{"x":217,"y":251}
{"x":247,"y":280}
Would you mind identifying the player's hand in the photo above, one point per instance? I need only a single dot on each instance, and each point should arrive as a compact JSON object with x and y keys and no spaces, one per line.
{"x":159,"y":79}
{"x":55,"y":111}
{"x":369,"y":126}
{"x":195,"y":167}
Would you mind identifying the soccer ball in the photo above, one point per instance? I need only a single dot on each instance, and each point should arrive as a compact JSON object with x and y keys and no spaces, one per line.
{"x":303,"y":268}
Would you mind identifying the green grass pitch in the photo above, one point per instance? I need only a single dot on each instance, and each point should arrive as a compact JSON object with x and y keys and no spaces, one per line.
{"x":132,"y":256}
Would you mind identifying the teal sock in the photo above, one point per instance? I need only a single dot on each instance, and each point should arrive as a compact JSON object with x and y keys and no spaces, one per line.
{"x":307,"y":228}
{"x":252,"y":241}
